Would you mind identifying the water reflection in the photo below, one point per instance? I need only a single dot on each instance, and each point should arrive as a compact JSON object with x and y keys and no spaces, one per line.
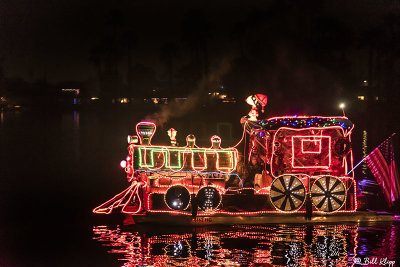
{"x":76,"y":133}
{"x":71,"y":129}
{"x":313,"y":245}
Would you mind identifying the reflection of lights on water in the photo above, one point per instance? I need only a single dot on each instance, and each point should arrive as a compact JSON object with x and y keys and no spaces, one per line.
{"x":334,"y":249}
{"x":178,"y":248}
{"x":293,"y":254}
{"x":208,"y":247}
{"x":244,"y":245}
{"x":330,"y":250}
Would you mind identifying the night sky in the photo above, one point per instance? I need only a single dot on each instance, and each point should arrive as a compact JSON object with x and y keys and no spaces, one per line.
{"x":58,"y":36}
{"x":319,"y":49}
{"x":60,"y":152}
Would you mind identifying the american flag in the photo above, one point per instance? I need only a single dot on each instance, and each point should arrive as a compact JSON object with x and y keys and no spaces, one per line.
{"x":382,"y":164}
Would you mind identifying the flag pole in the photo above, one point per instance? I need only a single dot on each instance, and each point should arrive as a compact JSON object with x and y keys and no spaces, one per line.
{"x":361,"y":161}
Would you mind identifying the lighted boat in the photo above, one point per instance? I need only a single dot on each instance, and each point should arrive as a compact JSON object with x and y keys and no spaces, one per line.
{"x":294,"y":170}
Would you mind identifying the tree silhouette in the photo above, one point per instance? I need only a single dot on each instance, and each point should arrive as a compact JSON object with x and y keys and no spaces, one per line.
{"x":106,"y":56}
{"x":196,"y":32}
{"x":168,"y":55}
{"x":129,"y":42}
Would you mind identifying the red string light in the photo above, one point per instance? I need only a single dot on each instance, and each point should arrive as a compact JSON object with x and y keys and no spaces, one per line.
{"x":303,"y":143}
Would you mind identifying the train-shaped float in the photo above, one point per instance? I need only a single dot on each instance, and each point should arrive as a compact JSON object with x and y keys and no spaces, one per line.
{"x":292,"y":167}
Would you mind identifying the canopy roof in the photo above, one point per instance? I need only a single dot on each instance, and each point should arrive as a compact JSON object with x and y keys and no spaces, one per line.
{"x":304,"y":122}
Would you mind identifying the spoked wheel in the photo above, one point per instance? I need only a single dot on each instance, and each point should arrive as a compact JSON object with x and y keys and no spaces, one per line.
{"x":328,"y":193}
{"x":208,"y":198}
{"x":287,"y":193}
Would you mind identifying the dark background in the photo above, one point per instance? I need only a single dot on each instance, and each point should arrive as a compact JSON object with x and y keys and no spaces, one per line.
{"x":59,"y":160}
{"x":307,"y":55}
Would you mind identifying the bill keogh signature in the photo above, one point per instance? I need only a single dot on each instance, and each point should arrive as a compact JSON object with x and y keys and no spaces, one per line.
{"x":375,"y":261}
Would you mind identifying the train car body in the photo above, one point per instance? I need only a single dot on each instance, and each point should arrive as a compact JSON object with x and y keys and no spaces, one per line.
{"x":292,"y":166}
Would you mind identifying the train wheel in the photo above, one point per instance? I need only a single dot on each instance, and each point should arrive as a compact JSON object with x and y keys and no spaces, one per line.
{"x":328,"y":193}
{"x":287,"y":193}
{"x":177,"y":197}
{"x":208,"y":198}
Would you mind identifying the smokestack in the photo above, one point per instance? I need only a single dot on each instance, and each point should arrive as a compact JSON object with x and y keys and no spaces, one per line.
{"x":145,"y":130}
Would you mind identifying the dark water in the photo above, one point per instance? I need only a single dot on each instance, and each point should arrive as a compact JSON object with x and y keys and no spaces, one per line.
{"x":283,"y":245}
{"x":56,"y":166}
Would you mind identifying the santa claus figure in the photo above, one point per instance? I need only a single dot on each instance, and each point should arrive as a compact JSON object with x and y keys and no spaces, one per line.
{"x":257,"y":102}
